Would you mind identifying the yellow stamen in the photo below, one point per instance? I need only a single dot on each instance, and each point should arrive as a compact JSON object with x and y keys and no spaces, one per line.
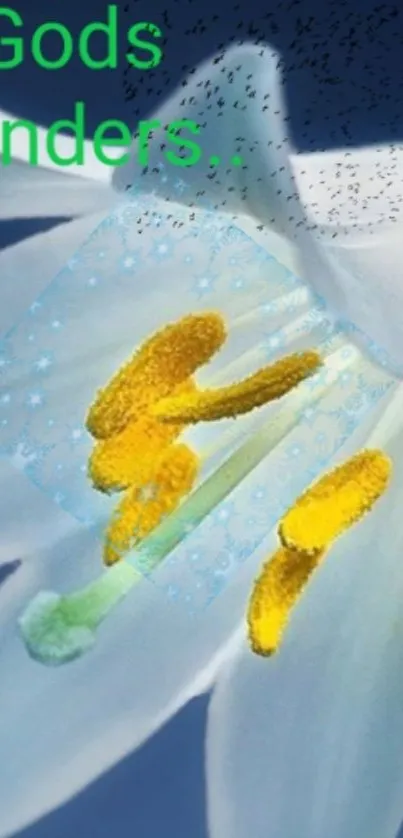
{"x":335,"y":502}
{"x":129,"y":458}
{"x":166,"y":359}
{"x":275,"y":592}
{"x":269,"y":383}
{"x":137,"y":515}
{"x":321,"y":514}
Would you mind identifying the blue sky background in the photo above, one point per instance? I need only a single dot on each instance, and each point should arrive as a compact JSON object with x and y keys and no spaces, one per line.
{"x":159,"y":791}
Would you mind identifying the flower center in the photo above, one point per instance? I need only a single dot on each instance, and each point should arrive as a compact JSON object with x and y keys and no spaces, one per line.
{"x":138,"y":450}
{"x":139,"y":415}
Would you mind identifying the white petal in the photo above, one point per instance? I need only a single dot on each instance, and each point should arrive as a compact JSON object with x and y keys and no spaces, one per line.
{"x":348,"y":227}
{"x":239,"y":104}
{"x":28,"y":267}
{"x":46,"y":189}
{"x":308,"y":743}
{"x":151,"y":655}
{"x":61,"y":728}
{"x":34,"y":192}
{"x":353,"y":249}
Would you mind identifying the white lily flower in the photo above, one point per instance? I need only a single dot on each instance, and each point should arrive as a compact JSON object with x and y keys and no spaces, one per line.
{"x":148,"y":264}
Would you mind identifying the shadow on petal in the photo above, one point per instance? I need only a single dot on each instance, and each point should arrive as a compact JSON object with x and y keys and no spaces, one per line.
{"x":7,"y":569}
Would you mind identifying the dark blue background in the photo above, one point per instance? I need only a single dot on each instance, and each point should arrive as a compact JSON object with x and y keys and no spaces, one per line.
{"x":157,"y":792}
{"x":344,"y":87}
{"x":342,"y":57}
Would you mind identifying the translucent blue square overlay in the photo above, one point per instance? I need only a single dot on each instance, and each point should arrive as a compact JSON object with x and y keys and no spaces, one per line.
{"x":117,"y":290}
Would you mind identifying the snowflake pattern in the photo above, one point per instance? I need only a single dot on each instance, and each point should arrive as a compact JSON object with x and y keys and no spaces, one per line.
{"x":35,"y":399}
{"x":130,"y":260}
{"x":43,"y":363}
{"x":205,"y":283}
{"x":162,"y":249}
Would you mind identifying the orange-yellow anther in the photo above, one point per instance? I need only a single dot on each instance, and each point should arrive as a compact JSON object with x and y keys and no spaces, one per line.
{"x":129,"y":458}
{"x":335,"y":502}
{"x":275,"y":592}
{"x":266,"y":385}
{"x":329,"y":507}
{"x":141,"y":510}
{"x":166,"y":359}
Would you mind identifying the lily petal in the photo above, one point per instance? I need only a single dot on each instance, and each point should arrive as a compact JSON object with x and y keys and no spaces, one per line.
{"x":28,"y":267}
{"x":308,"y":743}
{"x":34,"y":192}
{"x":74,"y":722}
{"x":234,"y":127}
{"x":352,"y":249}
{"x":62,"y":728}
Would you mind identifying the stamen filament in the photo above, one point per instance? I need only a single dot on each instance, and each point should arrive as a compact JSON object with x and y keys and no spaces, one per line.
{"x":331,"y":356}
{"x":285,"y":337}
{"x":297,"y":298}
{"x":390,"y":423}
{"x":303,"y":326}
